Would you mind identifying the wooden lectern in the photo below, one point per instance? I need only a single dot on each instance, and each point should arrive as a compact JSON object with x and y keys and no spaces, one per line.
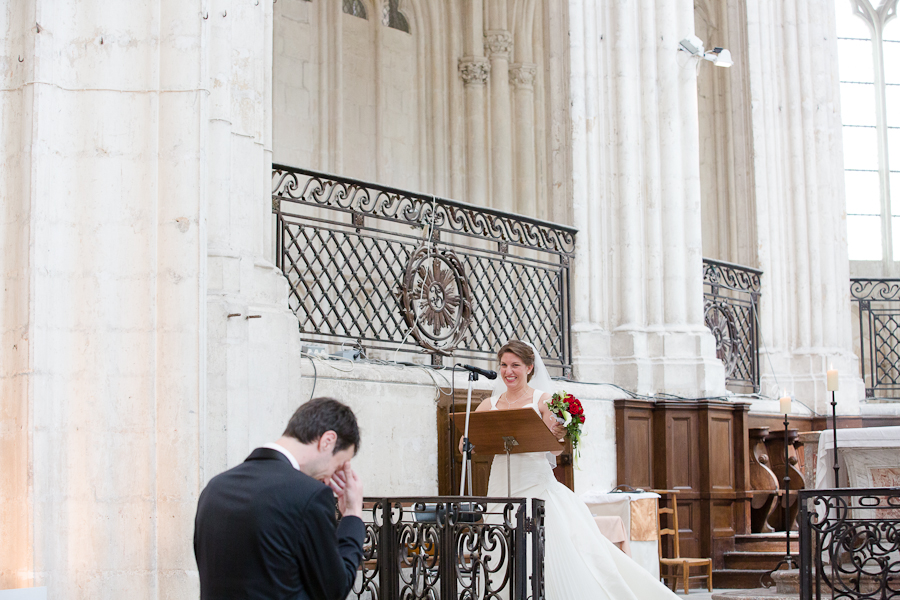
{"x":507,"y":431}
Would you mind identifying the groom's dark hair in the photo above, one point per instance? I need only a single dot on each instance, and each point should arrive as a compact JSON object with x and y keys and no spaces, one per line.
{"x":520,"y":349}
{"x":319,"y":415}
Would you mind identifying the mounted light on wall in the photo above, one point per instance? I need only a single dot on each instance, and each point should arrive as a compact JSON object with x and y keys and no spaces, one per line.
{"x":693,"y":45}
{"x":720,"y":57}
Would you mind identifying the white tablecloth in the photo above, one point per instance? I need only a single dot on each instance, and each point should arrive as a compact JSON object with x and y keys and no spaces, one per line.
{"x":854,"y":441}
{"x":618,"y":504}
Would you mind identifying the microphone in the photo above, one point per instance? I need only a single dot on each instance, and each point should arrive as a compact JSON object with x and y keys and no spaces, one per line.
{"x":482,"y":372}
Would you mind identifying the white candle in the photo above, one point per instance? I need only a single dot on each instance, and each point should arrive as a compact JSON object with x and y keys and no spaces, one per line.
{"x":832,"y":380}
{"x":785,"y":404}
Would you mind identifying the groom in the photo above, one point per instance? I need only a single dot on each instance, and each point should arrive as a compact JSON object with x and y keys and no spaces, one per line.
{"x":266,"y":528}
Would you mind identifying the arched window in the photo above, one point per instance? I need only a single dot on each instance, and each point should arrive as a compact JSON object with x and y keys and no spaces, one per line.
{"x":355,"y":8}
{"x":392,"y":17}
{"x":868,"y":35}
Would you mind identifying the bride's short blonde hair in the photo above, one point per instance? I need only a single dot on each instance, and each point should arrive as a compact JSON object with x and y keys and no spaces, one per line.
{"x":520,"y":349}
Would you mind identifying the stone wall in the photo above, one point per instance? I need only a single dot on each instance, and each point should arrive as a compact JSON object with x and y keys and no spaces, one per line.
{"x":360,"y":99}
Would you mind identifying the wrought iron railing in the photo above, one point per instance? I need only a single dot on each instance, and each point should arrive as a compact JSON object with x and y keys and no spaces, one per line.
{"x":878,"y":307}
{"x":444,"y":548}
{"x":731,"y":304}
{"x":388,"y":269}
{"x":850,"y":543}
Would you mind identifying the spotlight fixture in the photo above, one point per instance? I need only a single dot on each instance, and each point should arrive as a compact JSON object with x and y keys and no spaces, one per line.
{"x":693,"y":45}
{"x":720,"y":57}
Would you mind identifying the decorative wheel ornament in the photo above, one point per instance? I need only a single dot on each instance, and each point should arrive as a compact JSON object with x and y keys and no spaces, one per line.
{"x":437,"y":300}
{"x":719,"y":319}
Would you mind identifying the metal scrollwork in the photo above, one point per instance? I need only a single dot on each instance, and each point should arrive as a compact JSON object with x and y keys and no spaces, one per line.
{"x":483,"y":561}
{"x":730,"y":276}
{"x":441,"y":548}
{"x":418,"y":561}
{"x":719,"y":320}
{"x":437,"y":300}
{"x":318,"y":189}
{"x":875,"y":289}
{"x":878,"y":311}
{"x":357,"y":270}
{"x":537,"y":549}
{"x":731,"y":301}
{"x":850,"y":543}
{"x":366,"y":585}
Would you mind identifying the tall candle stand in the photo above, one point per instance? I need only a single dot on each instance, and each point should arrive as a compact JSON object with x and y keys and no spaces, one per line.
{"x":837,"y":481}
{"x":788,"y":561}
{"x":832,"y":383}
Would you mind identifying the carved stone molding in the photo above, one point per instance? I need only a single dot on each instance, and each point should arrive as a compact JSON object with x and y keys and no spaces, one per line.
{"x":522,"y":74}
{"x":498,"y":43}
{"x":474,"y":70}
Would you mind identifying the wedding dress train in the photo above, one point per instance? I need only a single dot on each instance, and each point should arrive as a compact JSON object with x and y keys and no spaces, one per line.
{"x":579,"y":562}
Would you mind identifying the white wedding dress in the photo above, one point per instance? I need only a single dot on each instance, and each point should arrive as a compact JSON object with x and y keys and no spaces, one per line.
{"x":579,"y":562}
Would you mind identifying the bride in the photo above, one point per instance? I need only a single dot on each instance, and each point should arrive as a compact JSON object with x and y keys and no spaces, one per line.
{"x":579,"y":562}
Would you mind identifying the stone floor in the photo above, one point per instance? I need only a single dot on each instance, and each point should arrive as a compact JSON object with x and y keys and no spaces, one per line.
{"x":700,"y":594}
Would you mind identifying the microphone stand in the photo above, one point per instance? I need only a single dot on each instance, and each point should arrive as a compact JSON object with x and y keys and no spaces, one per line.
{"x":467,"y":447}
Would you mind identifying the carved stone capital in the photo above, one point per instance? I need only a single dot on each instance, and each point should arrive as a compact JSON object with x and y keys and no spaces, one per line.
{"x":498,"y":43}
{"x":522,"y":74}
{"x":474,"y":70}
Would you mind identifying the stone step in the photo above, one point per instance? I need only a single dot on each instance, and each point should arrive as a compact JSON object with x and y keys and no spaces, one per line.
{"x":756,"y":594}
{"x":737,"y":579}
{"x":752,"y":560}
{"x":765,"y":542}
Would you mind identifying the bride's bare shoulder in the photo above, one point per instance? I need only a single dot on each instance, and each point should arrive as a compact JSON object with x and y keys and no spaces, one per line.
{"x":485,"y":405}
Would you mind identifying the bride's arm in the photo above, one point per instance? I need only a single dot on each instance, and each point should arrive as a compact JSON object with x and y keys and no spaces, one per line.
{"x":485,"y":405}
{"x":558,"y":430}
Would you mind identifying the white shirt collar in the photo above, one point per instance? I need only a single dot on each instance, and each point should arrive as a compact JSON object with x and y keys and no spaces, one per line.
{"x":283,"y":450}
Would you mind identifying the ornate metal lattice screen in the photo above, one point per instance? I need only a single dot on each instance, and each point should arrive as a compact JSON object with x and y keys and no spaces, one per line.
{"x":850,"y":543}
{"x":390,"y":269}
{"x":878,"y":311}
{"x":452,"y":547}
{"x":731,"y":301}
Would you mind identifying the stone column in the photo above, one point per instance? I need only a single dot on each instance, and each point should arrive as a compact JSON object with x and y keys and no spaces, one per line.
{"x":522,"y":77}
{"x":800,"y":206}
{"x":497,"y":46}
{"x":136,"y":182}
{"x":638,"y":282}
{"x":474,"y":71}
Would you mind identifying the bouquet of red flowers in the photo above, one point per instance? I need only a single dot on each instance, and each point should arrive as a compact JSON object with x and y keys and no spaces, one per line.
{"x":569,"y":412}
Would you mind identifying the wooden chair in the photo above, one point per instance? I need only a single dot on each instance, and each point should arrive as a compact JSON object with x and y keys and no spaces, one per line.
{"x":678,"y":561}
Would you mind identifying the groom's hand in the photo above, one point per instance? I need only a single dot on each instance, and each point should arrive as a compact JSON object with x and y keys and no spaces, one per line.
{"x":349,"y":490}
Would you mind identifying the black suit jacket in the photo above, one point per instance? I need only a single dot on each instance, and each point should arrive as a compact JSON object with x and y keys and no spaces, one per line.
{"x":266,"y":531}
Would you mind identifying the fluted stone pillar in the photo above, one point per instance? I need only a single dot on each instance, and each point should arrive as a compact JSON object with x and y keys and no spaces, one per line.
{"x":638,"y":282}
{"x":522,"y":77}
{"x":136,"y":187}
{"x":800,"y":207}
{"x":497,"y":46}
{"x":474,"y":72}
